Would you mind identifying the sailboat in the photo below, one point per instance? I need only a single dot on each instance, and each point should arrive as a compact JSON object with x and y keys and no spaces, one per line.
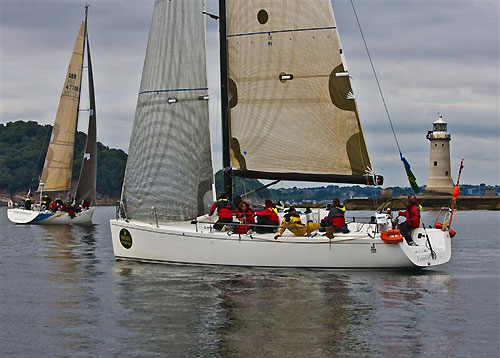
{"x":288,"y":113}
{"x":58,"y":167}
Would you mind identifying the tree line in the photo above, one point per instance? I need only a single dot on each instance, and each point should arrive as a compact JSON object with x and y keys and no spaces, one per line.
{"x":23,"y":146}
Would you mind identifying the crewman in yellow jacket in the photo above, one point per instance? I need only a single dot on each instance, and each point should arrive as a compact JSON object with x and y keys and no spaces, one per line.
{"x":292,"y":222}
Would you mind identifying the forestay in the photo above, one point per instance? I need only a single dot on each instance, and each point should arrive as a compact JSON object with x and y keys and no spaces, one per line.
{"x":169,"y":165}
{"x":57,"y":169}
{"x":293,"y":112}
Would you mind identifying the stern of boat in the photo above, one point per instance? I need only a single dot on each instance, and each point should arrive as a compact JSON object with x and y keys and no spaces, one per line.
{"x":433,"y":247}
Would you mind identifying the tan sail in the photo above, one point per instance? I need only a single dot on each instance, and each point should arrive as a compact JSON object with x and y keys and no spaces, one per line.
{"x":56,"y":174}
{"x":292,"y":108}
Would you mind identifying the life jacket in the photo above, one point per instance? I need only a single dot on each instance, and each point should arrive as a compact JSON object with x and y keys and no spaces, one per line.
{"x":269,"y":212}
{"x":53,"y":206}
{"x":224,"y":208}
{"x":412,"y":215}
{"x":248,"y":216}
{"x":338,"y":219}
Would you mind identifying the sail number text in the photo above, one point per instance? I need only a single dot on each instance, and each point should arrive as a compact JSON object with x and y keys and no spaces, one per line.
{"x":70,"y":83}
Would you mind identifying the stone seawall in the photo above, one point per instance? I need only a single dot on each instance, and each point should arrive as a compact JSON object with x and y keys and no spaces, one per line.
{"x":465,"y":202}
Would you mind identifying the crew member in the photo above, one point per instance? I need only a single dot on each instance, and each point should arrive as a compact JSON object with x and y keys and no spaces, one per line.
{"x":268,"y":217}
{"x":246,"y":218}
{"x":292,"y":222}
{"x":335,"y":218}
{"x":27,"y":202}
{"x":54,"y":207}
{"x":225,"y":211}
{"x":46,"y":200}
{"x":412,"y":215}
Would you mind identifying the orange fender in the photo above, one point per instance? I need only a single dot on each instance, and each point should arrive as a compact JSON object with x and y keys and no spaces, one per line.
{"x":391,"y":236}
{"x":438,"y":225}
{"x":452,"y":233}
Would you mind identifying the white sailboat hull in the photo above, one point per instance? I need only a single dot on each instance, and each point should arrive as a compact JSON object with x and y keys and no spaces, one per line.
{"x":181,"y":243}
{"x":23,"y":216}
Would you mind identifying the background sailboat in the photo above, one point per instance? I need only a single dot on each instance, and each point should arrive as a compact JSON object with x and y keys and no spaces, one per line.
{"x":58,"y":167}
{"x":284,"y":85}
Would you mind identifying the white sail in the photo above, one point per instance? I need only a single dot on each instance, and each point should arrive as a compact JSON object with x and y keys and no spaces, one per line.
{"x":169,"y":166}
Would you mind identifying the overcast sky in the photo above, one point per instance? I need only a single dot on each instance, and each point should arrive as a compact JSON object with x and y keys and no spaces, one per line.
{"x":430,"y":56}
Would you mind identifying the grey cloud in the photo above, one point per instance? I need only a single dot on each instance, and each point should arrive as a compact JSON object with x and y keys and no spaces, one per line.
{"x":430,"y":56}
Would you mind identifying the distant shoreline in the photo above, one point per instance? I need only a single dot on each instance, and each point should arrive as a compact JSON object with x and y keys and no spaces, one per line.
{"x":466,"y":202}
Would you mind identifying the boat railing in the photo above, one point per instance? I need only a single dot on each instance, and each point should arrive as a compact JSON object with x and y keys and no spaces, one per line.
{"x":231,"y":227}
{"x":120,"y":211}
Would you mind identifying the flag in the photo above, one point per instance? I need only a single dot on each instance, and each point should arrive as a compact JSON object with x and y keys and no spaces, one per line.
{"x":410,"y":175}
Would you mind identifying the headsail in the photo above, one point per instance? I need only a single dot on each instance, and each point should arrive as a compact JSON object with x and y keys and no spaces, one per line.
{"x":86,"y":189}
{"x":169,"y":165}
{"x":293,"y":113}
{"x":56,"y":174}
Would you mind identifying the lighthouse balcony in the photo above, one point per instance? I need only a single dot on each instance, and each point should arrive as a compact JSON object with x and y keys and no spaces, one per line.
{"x":438,"y":135}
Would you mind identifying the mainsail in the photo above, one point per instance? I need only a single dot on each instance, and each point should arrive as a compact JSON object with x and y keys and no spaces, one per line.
{"x":293,"y":113}
{"x":169,"y":167}
{"x":57,"y":169}
{"x":86,"y":189}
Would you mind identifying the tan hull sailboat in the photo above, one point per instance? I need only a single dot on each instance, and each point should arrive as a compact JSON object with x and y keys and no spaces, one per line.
{"x":58,"y":166}
{"x":284,"y":85}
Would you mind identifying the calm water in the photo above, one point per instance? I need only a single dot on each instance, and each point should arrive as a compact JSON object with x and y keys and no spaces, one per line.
{"x":62,"y":294}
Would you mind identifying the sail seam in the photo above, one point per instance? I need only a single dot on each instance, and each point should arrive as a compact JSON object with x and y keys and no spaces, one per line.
{"x":174,"y":90}
{"x":280,"y":31}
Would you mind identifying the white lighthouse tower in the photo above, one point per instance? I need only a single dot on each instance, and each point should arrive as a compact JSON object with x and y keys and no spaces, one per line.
{"x":439,"y":181}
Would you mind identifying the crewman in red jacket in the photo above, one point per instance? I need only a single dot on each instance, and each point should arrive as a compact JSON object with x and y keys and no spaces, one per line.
{"x":225,"y":210}
{"x":412,"y":215}
{"x":268,"y":217}
{"x":246,"y":218}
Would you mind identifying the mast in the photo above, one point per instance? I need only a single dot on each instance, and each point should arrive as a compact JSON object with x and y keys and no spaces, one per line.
{"x":79,"y":94}
{"x":226,"y":159}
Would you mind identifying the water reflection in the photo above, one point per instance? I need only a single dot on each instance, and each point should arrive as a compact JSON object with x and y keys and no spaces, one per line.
{"x":64,"y":295}
{"x":69,"y":253}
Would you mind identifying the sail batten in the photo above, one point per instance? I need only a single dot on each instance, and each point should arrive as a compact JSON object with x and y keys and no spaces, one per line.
{"x":169,"y":167}
{"x":292,"y":107}
{"x":61,"y":146}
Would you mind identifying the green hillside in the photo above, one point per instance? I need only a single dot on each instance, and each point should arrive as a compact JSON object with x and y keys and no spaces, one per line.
{"x":23,"y":146}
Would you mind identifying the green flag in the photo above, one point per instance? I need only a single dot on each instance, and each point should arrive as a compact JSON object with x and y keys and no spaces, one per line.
{"x":410,"y":175}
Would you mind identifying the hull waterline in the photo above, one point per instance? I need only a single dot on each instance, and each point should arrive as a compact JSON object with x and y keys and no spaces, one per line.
{"x":22,"y":216}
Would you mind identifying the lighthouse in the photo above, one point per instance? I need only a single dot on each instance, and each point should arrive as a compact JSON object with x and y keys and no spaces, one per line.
{"x":439,"y":181}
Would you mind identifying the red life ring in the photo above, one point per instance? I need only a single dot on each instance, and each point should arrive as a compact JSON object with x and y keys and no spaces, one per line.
{"x":391,"y":236}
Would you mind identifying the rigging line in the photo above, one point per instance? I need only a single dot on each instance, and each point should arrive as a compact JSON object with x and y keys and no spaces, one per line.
{"x":376,"y":78}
